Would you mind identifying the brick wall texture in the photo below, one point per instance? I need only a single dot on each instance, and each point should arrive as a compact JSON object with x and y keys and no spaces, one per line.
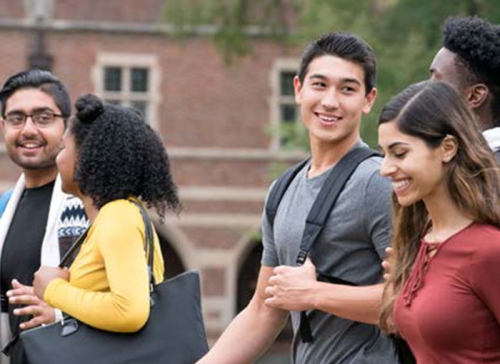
{"x":204,"y":104}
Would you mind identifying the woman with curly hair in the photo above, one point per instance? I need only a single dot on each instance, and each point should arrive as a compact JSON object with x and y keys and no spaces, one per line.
{"x":111,"y":160}
{"x":442,"y":294}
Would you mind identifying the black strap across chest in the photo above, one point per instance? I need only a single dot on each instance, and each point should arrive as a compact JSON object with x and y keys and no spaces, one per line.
{"x":320,"y":210}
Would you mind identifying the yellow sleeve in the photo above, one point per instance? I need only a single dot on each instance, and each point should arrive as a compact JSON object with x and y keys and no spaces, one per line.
{"x":117,"y":244}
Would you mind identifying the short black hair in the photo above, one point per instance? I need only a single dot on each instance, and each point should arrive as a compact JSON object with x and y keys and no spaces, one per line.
{"x":346,"y":46}
{"x":476,"y":44}
{"x":120,"y":156}
{"x":39,"y":79}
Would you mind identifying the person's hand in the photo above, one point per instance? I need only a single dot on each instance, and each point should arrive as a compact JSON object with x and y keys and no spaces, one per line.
{"x":24,"y":295}
{"x":387,"y":263}
{"x":44,"y":276}
{"x":289,"y":288}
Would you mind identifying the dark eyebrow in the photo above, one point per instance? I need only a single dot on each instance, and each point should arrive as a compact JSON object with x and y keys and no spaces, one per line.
{"x":342,"y":80}
{"x":392,"y":145}
{"x":317,"y":75}
{"x":350,"y":80}
{"x":396,"y":144}
{"x":38,"y":109}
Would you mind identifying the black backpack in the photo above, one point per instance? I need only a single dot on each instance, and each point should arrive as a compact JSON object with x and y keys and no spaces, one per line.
{"x":316,"y":220}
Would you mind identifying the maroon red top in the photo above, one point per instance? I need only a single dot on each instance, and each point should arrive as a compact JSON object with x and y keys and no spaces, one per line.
{"x":449,"y":309}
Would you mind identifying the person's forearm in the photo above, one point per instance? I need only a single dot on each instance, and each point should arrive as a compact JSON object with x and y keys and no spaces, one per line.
{"x":360,"y":304}
{"x":103,"y":310}
{"x":247,"y":337}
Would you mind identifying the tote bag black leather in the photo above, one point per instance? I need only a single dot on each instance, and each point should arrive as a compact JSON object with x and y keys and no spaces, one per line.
{"x":173,"y":334}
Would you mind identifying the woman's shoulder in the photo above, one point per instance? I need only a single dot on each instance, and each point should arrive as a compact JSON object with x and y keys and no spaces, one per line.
{"x":484,"y":230}
{"x":120,"y":205}
{"x":484,"y":237}
{"x":482,"y":245}
{"x":119,"y":211}
{"x":118,"y":221}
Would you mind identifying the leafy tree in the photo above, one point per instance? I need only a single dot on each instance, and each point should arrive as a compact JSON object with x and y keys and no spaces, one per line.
{"x":405,"y":34}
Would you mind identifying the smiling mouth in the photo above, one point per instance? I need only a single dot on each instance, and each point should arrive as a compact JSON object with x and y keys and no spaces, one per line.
{"x":30,"y":145}
{"x":328,"y":118}
{"x":400,"y":185}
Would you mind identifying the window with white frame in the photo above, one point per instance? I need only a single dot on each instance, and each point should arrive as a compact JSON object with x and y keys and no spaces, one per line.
{"x":129,"y":80}
{"x":284,"y":111}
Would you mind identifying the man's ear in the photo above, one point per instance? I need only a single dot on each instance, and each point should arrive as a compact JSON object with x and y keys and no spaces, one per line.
{"x":369,"y":99}
{"x":477,"y":95}
{"x":297,"y":87}
{"x":449,"y":147}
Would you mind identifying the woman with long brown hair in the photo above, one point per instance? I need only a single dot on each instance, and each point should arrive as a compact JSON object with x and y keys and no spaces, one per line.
{"x":442,"y":295}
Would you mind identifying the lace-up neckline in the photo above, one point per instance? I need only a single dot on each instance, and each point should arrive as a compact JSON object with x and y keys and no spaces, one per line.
{"x":426,"y":252}
{"x":415,"y":281}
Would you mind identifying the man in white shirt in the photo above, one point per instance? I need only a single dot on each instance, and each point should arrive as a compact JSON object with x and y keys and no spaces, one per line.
{"x":470,"y":61}
{"x":39,"y":218}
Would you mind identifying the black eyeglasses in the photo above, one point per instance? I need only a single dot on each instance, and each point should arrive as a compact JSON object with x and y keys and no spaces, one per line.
{"x":42,"y":119}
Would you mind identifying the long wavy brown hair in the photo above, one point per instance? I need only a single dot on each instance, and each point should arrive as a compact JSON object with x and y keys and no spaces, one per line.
{"x":431,"y":111}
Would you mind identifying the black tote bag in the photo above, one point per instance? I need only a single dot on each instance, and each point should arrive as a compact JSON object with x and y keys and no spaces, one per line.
{"x":173,"y":334}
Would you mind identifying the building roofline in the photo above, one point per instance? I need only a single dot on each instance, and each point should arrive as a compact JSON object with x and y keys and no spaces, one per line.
{"x":60,"y":25}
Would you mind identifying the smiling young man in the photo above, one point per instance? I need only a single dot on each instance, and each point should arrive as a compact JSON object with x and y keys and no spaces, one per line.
{"x":335,"y":86}
{"x":469,"y":61}
{"x":39,"y":217}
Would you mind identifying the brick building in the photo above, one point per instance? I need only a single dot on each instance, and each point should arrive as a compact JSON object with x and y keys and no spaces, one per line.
{"x":214,"y":119}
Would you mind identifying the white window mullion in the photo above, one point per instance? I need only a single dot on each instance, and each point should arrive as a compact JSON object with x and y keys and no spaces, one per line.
{"x":279,"y":99}
{"x":148,"y":100}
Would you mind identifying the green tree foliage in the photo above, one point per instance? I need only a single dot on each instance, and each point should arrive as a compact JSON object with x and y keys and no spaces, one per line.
{"x":231,"y":23}
{"x":405,"y":34}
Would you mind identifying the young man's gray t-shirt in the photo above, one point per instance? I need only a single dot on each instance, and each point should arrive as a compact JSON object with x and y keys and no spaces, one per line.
{"x":351,"y":247}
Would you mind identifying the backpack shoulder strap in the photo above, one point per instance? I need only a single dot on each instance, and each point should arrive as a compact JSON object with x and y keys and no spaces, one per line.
{"x":4,"y":198}
{"x":330,"y":191}
{"x":278,"y":190}
{"x":320,"y":210}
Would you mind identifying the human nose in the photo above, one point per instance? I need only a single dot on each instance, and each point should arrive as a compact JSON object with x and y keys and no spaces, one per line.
{"x":387,"y":168}
{"x":330,"y":99}
{"x":29,"y":125}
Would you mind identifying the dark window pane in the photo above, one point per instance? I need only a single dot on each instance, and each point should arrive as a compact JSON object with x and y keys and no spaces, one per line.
{"x":286,"y":83}
{"x":290,"y":137}
{"x":114,"y":102}
{"x":139,"y":80}
{"x":288,"y":113}
{"x":173,"y":263}
{"x":112,"y":78}
{"x":141,"y":106}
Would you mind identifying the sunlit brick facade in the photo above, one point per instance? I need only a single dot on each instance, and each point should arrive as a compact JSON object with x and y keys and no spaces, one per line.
{"x":214,"y":118}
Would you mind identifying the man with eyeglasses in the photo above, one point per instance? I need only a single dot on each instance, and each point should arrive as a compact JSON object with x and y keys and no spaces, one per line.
{"x":39,"y":221}
{"x":43,"y":119}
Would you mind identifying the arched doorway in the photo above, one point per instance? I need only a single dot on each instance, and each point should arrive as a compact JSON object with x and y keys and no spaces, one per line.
{"x":247,"y":276}
{"x":172,"y":260}
{"x":247,"y":282}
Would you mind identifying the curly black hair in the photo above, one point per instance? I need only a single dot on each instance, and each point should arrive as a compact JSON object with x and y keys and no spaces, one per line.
{"x":120,"y":156}
{"x":476,"y":42}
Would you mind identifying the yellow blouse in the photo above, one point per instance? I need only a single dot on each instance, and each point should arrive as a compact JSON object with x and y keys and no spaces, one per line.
{"x":108,"y":286}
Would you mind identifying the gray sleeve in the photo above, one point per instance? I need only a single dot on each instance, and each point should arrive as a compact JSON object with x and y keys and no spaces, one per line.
{"x":269,"y":254}
{"x":377,"y":211}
